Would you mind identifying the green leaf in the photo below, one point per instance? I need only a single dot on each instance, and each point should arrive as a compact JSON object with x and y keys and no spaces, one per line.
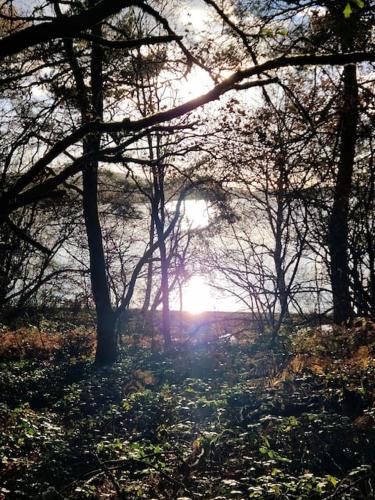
{"x":347,"y":11}
{"x":359,"y":3}
{"x":282,"y":32}
{"x":266,"y":32}
{"x":333,"y":480}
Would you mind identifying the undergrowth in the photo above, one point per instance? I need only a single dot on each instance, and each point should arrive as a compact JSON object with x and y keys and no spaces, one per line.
{"x":211,"y":421}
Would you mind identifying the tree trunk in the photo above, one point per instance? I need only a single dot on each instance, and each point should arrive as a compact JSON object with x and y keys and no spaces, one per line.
{"x":150,"y":273}
{"x":166,"y":326}
{"x":279,"y":254}
{"x":371,"y":278}
{"x":164,"y":285}
{"x":106,"y":339}
{"x":158,"y":215}
{"x":338,"y":225}
{"x":106,"y":347}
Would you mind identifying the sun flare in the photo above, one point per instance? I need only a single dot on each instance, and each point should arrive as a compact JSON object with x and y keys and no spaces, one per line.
{"x":196,"y":83}
{"x":194,"y":17}
{"x":197,"y":296}
{"x":196,"y":214}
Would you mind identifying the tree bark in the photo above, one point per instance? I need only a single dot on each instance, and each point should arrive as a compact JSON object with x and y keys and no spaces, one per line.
{"x":150,"y":273}
{"x":164,"y":285}
{"x":166,"y":324}
{"x":106,"y":347}
{"x":338,"y":225}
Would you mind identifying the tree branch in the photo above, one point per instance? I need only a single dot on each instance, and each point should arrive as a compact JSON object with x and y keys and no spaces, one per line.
{"x":21,"y":233}
{"x":132,"y":126}
{"x":129,"y":44}
{"x":63,"y":27}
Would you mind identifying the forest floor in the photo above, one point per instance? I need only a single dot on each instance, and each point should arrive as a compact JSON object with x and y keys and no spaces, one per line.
{"x":213,"y":421}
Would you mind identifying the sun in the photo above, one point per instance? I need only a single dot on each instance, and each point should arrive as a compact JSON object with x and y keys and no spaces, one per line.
{"x":197,"y":296}
{"x":193,"y":16}
{"x":196,"y":214}
{"x":196,"y":83}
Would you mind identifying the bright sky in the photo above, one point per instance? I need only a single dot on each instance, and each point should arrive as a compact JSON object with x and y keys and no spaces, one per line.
{"x":25,"y":4}
{"x":196,"y":83}
{"x":197,"y":294}
{"x":194,"y":16}
{"x":198,"y":297}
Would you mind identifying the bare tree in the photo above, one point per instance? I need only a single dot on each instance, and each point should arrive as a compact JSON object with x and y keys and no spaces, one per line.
{"x":63,"y":52}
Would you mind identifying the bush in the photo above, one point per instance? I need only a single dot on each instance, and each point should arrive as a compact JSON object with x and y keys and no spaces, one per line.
{"x":46,"y":343}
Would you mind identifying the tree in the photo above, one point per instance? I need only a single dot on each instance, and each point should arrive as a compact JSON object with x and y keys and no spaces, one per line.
{"x":41,"y":57}
{"x":259,"y":254}
{"x":345,"y":27}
